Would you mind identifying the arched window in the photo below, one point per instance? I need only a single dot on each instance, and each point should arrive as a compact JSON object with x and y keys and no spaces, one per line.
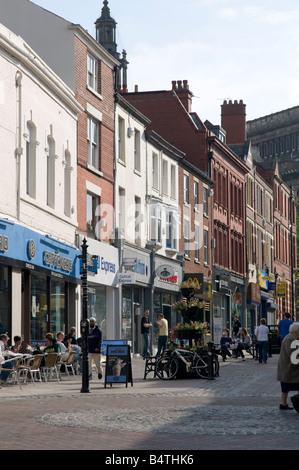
{"x":31,"y":160}
{"x":67,"y":183}
{"x":51,"y":172}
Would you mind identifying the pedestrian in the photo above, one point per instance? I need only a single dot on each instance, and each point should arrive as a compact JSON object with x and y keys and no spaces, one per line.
{"x":244,"y":343}
{"x":236,"y":326}
{"x":163,"y":333}
{"x":225,"y":343}
{"x":262,"y":341}
{"x":145,"y":332}
{"x":288,"y":367}
{"x":95,"y":347}
{"x":283,"y":327}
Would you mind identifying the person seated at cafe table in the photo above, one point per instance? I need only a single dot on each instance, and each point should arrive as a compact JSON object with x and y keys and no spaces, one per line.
{"x":52,"y":345}
{"x":65,"y":351}
{"x":6,"y":364}
{"x":17,"y":344}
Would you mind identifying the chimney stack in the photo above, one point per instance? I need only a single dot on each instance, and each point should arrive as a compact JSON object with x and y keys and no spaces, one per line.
{"x":185,"y":95}
{"x":233,"y":121}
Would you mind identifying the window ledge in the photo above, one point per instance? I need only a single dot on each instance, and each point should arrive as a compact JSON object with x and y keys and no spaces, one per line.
{"x":94,"y":170}
{"x":94,"y":92}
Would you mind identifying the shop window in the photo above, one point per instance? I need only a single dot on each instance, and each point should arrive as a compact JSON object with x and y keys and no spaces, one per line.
{"x":5,"y":314}
{"x":38,"y":308}
{"x":97,"y":306}
{"x":126,"y":323}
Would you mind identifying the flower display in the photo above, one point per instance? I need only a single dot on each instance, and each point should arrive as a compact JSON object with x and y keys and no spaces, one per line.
{"x":199,"y":327}
{"x":185,"y":304}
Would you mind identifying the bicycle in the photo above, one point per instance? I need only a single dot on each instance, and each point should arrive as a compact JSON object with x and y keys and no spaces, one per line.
{"x":167,"y":365}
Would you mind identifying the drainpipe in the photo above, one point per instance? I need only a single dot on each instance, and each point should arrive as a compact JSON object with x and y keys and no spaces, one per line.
{"x":19,"y":150}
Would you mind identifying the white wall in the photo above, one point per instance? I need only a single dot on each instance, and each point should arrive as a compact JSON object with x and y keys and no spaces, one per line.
{"x":51,"y":106}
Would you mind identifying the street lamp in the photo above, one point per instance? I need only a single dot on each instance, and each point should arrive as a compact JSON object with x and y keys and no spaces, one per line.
{"x":84,"y":322}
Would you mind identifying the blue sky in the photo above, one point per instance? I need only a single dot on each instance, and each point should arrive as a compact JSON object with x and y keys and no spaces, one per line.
{"x":226,"y":49}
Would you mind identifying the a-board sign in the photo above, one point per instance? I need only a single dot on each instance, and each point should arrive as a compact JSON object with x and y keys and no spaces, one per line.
{"x":118,"y":365}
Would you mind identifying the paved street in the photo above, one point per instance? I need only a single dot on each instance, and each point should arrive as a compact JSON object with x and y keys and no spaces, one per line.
{"x":237,"y":410}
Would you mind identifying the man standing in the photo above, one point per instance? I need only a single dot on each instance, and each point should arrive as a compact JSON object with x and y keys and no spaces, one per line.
{"x":95,"y":347}
{"x":236,"y":326}
{"x":284,"y":326}
{"x":145,"y":332}
{"x":163,"y":333}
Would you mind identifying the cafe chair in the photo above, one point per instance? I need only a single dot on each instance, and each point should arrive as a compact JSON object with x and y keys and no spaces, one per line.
{"x":50,"y":366}
{"x":68,"y":364}
{"x":31,"y":367}
{"x":12,"y":373}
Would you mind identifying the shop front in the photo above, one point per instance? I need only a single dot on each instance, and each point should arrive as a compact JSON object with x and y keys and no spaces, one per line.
{"x":38,"y":282}
{"x":221,"y":303}
{"x":103,"y":266}
{"x":134,"y":278}
{"x":165,"y":292}
{"x":253,"y":307}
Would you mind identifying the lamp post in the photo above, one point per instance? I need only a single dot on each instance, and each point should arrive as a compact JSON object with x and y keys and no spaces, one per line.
{"x":84,"y":322}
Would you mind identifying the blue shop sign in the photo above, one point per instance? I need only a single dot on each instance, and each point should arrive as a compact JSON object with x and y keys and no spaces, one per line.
{"x":31,"y":249}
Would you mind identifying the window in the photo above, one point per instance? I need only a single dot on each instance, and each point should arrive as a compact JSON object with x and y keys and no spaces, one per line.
{"x":155,"y":170}
{"x":186,"y":237}
{"x":156,"y":223}
{"x":92,"y":72}
{"x":137,"y":220}
{"x":93,"y":142}
{"x":196,"y":242}
{"x":31,"y":160}
{"x":121,"y":139}
{"x":186,"y":189}
{"x":171,"y":230}
{"x":172,"y":182}
{"x":165,"y":177}
{"x":67,"y":183}
{"x":205,"y":201}
{"x":205,"y":242}
{"x":91,"y":220}
{"x":51,"y":173}
{"x":121,"y":208}
{"x":196,"y":197}
{"x":137,"y":165}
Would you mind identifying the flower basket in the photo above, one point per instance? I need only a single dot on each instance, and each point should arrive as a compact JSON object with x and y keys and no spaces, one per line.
{"x":189,"y":334}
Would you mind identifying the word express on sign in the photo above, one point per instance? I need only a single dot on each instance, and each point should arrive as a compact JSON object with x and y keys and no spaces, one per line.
{"x":126,"y":278}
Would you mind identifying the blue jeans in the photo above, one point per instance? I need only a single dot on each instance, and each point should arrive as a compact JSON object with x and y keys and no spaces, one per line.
{"x":146,"y":338}
{"x":262,"y":347}
{"x":162,"y":343}
{"x":7,"y":365}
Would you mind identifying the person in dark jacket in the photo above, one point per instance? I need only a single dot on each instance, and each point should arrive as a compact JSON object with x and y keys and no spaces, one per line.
{"x":95,"y":347}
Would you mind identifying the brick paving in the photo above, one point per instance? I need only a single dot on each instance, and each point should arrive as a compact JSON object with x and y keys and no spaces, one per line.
{"x":237,"y":410}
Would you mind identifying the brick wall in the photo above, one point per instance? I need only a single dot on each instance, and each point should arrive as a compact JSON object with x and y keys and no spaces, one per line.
{"x":104,"y":104}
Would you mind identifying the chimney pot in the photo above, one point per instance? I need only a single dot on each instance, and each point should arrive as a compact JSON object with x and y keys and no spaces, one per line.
{"x":136,"y":88}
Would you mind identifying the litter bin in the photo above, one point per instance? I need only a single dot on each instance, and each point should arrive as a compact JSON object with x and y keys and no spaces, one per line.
{"x":274,"y":341}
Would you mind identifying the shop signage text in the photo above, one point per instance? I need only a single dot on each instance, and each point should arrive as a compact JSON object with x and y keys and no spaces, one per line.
{"x":57,"y":261}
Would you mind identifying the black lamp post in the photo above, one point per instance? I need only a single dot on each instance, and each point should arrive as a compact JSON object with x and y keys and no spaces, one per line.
{"x":84,"y":322}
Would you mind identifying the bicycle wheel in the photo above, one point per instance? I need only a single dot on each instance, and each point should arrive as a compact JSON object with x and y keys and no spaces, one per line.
{"x":202,"y":366}
{"x":166,"y":367}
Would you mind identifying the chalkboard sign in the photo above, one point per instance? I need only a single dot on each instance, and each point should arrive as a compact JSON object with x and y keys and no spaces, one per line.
{"x":118,"y":365}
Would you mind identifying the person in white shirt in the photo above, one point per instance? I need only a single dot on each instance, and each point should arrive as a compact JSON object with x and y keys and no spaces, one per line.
{"x":7,"y":364}
{"x":65,"y":351}
{"x":261,"y":334}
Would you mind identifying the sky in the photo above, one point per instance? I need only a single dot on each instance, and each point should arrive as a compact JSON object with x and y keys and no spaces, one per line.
{"x":225,"y":49}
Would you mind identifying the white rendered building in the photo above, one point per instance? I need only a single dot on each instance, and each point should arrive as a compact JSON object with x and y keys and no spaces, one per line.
{"x":38,"y":127}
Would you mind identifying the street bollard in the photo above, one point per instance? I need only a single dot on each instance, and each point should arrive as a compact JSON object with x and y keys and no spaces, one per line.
{"x":210,"y":361}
